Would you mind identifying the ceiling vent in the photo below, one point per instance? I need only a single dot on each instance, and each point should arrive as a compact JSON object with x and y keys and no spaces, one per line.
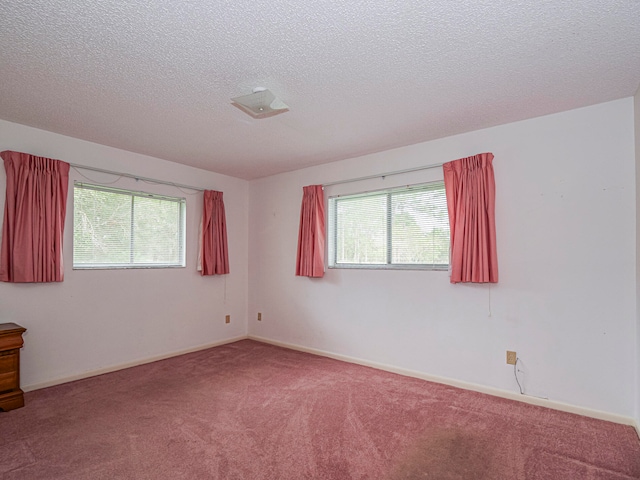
{"x":260,"y":104}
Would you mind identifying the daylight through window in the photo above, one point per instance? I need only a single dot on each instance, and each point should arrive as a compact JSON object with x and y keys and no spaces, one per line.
{"x":115,"y":228}
{"x":401,"y":228}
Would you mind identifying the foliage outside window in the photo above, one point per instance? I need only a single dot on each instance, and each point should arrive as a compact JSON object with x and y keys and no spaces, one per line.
{"x":115,"y":228}
{"x":401,"y":228}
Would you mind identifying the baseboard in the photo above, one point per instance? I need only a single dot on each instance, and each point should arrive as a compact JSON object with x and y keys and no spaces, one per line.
{"x":564,"y":407}
{"x":121,"y":366}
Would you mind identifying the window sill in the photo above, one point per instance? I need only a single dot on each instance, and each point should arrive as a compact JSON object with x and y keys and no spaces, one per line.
{"x":124,"y":267}
{"x":351,"y":266}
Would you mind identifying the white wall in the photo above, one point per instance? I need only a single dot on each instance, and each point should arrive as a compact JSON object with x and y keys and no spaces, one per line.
{"x":101,"y":319}
{"x":636,"y":110}
{"x":566,"y":301}
{"x":566,"y":215}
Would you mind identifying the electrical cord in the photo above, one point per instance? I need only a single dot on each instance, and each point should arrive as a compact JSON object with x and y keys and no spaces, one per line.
{"x":94,"y":181}
{"x":196,"y":191}
{"x":515,"y":373}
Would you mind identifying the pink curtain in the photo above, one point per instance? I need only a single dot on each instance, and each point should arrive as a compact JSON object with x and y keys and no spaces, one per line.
{"x":215,"y":254}
{"x":34,"y":213}
{"x":471,"y":197}
{"x":310,"y":259}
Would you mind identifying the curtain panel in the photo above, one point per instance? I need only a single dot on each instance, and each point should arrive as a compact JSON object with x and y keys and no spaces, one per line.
{"x":34,"y":215}
{"x":214,"y":251}
{"x":311,"y":236}
{"x":471,"y":197}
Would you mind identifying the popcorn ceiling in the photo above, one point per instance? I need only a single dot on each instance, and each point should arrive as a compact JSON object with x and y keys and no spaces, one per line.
{"x":359,"y":76}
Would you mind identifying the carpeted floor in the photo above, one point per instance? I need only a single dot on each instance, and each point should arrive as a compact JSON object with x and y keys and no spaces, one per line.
{"x":253,"y":411}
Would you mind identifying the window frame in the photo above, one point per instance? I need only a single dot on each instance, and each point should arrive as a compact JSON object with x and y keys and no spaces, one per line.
{"x":182,"y":220}
{"x":388,"y":192}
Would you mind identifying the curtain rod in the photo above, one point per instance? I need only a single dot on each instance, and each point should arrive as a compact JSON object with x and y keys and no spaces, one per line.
{"x":136,"y":177}
{"x":382,"y":175}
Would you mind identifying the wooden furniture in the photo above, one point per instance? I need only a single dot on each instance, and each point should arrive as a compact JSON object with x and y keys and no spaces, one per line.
{"x":11,"y":396}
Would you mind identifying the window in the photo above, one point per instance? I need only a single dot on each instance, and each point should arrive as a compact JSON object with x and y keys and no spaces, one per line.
{"x":401,"y":228}
{"x":115,"y":228}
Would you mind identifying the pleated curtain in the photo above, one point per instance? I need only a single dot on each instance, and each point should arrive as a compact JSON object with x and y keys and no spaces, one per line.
{"x":34,"y":214}
{"x":214,"y":250}
{"x":311,"y":235}
{"x":471,"y":197}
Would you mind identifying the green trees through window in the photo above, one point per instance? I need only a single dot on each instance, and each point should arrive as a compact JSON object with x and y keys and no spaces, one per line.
{"x":120,"y":228}
{"x":405,"y":228}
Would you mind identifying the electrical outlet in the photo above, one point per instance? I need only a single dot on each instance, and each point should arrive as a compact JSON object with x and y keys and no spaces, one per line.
{"x":227,"y":319}
{"x":511,"y":357}
{"x":259,"y":317}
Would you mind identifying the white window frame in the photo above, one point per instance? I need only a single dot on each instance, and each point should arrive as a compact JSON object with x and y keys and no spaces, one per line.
{"x":132,"y":265}
{"x":332,"y":231}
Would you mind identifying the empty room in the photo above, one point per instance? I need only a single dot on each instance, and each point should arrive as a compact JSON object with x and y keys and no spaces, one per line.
{"x":320,"y":240}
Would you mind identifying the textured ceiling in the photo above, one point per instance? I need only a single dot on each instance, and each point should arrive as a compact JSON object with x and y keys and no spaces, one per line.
{"x":359,"y":76}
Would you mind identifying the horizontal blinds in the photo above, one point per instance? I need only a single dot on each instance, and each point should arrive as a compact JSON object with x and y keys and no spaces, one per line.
{"x":406,"y":226}
{"x":114,"y":227}
{"x":419,"y":227}
{"x":361,"y":230}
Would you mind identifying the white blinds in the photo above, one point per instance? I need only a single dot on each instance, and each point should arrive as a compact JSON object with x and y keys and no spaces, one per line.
{"x":407,"y":227}
{"x":121,"y":228}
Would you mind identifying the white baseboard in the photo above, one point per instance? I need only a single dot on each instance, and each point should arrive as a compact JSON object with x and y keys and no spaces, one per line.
{"x":135,"y":363}
{"x":564,"y":407}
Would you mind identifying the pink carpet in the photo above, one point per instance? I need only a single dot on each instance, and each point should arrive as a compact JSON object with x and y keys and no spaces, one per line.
{"x":253,"y":411}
